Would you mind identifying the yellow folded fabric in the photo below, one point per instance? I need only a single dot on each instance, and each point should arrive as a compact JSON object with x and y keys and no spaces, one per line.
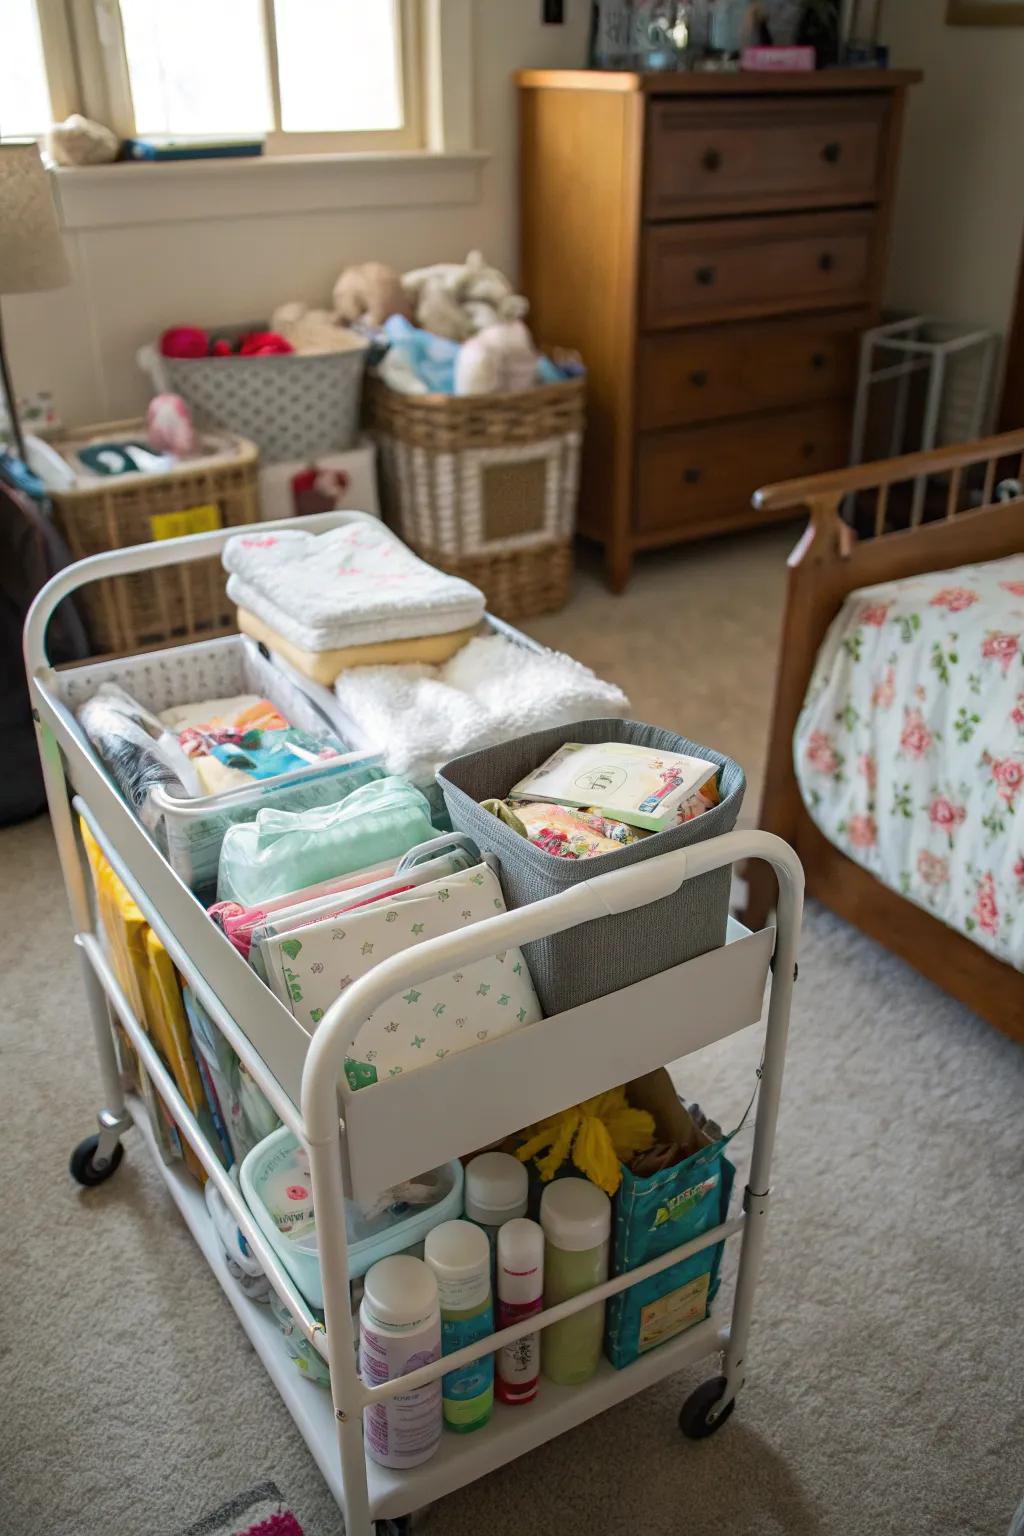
{"x":324,"y":666}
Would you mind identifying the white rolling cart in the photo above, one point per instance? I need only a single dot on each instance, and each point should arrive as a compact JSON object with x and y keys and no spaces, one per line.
{"x":362,"y":1142}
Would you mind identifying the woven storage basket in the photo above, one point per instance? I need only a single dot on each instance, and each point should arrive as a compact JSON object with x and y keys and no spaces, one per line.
{"x":183,"y":602}
{"x":485,"y":486}
{"x":292,"y":407}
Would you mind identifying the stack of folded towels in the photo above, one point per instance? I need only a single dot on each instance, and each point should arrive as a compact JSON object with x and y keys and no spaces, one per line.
{"x":413,"y":679}
{"x":353,"y":597}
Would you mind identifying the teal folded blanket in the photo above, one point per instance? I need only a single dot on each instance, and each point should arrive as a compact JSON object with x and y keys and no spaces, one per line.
{"x":283,"y":851}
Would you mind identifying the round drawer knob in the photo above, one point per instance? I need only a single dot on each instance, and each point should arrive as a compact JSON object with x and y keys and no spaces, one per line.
{"x":808,"y":450}
{"x":705,"y":276}
{"x":698,"y":378}
{"x":832,"y":153}
{"x":691,"y":476}
{"x":818,"y":360}
{"x":826,"y":261}
{"x":712,"y":159}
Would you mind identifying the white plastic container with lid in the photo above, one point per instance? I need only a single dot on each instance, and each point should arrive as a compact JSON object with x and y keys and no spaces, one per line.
{"x":400,"y":1330}
{"x":577,"y":1220}
{"x":497,"y":1190}
{"x":460,"y":1257}
{"x":520,"y":1293}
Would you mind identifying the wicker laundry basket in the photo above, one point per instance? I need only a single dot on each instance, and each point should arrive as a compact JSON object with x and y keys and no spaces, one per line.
{"x":485,"y":486}
{"x":183,"y":602}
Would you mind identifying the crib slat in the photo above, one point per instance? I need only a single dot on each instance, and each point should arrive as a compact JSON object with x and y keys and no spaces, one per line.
{"x":881,"y":508}
{"x":953,"y":499}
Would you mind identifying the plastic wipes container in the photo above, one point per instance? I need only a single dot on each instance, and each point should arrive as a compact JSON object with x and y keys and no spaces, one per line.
{"x":276,"y":1184}
{"x":610,"y":952}
{"x":576,"y":1218}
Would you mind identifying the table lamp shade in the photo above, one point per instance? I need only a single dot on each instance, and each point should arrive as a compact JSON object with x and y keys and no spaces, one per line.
{"x":32,"y":253}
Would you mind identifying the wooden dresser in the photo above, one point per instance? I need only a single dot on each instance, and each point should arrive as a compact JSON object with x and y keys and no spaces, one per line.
{"x":713,"y":244}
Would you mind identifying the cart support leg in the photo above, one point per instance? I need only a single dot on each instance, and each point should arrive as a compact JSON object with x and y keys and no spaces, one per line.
{"x":329,"y":1194}
{"x":756,"y":1197}
{"x":114,"y":1118}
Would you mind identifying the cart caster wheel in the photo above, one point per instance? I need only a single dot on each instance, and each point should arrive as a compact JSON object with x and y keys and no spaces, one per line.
{"x":83,"y":1168}
{"x":694,"y":1420}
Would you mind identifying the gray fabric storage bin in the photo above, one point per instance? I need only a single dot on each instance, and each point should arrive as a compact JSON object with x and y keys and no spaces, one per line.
{"x":611,"y":952}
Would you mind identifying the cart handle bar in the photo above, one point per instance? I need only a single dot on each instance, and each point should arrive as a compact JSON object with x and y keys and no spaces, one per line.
{"x":618,"y":891}
{"x":149,"y":557}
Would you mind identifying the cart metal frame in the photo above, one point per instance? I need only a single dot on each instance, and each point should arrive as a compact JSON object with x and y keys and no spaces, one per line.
{"x":360,"y":1143}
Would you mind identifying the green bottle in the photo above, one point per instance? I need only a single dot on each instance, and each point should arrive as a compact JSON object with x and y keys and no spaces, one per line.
{"x":460,"y":1256}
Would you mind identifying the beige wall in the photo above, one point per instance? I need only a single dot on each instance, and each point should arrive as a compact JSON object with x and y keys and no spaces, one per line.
{"x":956,"y":238}
{"x":960,"y":200}
{"x":134,"y":279}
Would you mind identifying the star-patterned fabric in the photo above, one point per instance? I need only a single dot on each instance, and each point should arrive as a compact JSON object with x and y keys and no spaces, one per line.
{"x":311,"y":967}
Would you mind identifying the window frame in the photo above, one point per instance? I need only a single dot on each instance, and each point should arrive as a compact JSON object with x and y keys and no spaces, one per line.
{"x":87,"y":71}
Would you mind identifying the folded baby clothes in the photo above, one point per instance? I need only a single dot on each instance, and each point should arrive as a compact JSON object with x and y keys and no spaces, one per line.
{"x":310,"y":967}
{"x":285,"y":850}
{"x":243,"y":711}
{"x":356,"y":585}
{"x":492,"y":690}
{"x":324,"y":666}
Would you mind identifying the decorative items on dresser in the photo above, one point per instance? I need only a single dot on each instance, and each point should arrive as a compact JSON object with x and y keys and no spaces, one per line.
{"x":713,"y":244}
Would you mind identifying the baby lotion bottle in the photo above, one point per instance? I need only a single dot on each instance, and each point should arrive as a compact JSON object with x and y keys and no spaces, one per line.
{"x":520,"y":1293}
{"x":399,"y":1331}
{"x":577,"y":1220}
{"x":497,"y":1189}
{"x":459,"y":1255}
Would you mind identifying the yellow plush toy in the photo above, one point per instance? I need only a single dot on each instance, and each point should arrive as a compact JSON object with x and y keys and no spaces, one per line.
{"x":601,"y":1134}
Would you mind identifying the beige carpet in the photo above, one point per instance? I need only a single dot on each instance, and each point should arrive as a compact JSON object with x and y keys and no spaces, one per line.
{"x":884,"y":1388}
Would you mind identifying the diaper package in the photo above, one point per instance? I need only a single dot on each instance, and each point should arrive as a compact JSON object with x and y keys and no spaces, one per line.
{"x":283,"y":851}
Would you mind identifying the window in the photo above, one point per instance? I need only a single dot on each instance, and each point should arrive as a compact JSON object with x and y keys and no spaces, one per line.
{"x":25,"y":108}
{"x":309,"y":75}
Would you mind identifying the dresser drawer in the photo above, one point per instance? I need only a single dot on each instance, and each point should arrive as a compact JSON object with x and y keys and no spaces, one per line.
{"x":707,"y":475}
{"x":738,"y":157}
{"x":730,"y":370}
{"x":729,"y":269}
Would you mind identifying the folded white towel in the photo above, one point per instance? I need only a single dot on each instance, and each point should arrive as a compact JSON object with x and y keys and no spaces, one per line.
{"x":420,"y":717}
{"x":355,"y":585}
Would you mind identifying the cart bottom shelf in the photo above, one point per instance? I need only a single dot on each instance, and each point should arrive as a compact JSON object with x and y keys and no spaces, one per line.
{"x":461,"y":1459}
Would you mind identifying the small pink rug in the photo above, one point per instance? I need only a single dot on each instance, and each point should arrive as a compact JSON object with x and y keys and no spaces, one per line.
{"x":260,"y":1512}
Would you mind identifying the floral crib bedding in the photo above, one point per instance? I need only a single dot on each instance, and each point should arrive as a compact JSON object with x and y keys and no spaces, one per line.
{"x":909,"y":750}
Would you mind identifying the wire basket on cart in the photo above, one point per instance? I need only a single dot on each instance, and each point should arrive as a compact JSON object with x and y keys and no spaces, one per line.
{"x":485,"y":486}
{"x":100,"y":513}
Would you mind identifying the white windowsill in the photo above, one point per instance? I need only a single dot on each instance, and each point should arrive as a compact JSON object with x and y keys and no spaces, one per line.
{"x":177,"y":191}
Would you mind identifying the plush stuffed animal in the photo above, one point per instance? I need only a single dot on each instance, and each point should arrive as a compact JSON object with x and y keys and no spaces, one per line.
{"x":169,"y":426}
{"x":80,"y":141}
{"x":497,"y":360}
{"x":313,"y":330}
{"x":371,"y":293}
{"x":458,"y":299}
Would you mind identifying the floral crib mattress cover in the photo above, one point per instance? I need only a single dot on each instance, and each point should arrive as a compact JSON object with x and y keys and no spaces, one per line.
{"x":909,"y":750}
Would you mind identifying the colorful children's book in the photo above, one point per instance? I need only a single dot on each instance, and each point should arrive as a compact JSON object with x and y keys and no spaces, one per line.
{"x":641,"y":786}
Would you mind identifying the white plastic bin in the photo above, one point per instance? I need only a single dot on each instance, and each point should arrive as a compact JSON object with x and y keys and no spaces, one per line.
{"x":191,"y":831}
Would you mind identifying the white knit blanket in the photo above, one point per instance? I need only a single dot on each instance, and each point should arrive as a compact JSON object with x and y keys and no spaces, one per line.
{"x":356,"y":585}
{"x":420,"y":717}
